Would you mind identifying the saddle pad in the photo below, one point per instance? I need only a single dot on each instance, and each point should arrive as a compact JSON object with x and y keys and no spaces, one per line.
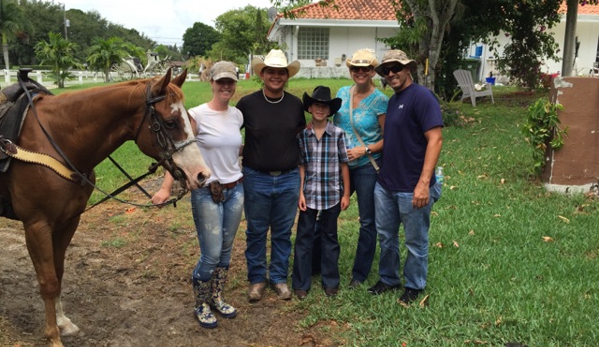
{"x":12,"y":116}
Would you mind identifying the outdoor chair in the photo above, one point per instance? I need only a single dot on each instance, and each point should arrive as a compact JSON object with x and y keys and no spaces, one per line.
{"x":464,"y":78}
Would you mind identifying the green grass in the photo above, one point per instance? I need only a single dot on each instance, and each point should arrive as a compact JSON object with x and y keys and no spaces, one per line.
{"x":509,"y":262}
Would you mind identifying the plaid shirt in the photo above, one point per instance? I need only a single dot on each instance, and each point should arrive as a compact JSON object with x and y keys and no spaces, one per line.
{"x":323,"y":186}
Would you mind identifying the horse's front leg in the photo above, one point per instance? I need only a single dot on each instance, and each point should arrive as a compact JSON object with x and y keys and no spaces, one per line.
{"x":38,"y":237}
{"x":67,"y":327}
{"x":61,"y":241}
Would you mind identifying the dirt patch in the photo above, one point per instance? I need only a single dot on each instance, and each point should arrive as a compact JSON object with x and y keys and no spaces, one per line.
{"x":127,"y":284}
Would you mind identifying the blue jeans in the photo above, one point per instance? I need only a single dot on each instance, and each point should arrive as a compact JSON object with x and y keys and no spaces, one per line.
{"x":362,"y":180}
{"x":272,"y":203}
{"x":393,"y":209}
{"x":302,"y":260}
{"x":216,"y":225}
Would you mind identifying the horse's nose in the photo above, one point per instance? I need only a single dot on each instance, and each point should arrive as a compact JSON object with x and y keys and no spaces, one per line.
{"x":202,"y":179}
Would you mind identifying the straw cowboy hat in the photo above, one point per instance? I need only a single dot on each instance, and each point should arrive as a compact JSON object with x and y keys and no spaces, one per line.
{"x":322,"y":94}
{"x":395,"y":56}
{"x":277,"y":59}
{"x":362,"y":57}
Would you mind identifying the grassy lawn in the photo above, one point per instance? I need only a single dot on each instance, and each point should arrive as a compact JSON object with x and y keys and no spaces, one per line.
{"x":509,"y":261}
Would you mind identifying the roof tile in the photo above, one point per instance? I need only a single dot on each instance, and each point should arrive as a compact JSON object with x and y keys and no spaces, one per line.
{"x":348,"y":9}
{"x":582,"y":9}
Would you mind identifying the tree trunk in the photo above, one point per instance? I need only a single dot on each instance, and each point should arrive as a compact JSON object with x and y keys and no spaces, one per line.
{"x":437,"y":13}
{"x":5,"y":54}
{"x":570,"y":38}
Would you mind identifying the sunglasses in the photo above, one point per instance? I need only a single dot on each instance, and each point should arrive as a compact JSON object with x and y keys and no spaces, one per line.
{"x":361,"y":68}
{"x":223,"y":81}
{"x":394,"y":68}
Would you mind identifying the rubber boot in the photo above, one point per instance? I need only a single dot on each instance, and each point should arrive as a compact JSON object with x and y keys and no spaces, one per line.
{"x":219,"y":278}
{"x":201,"y":290}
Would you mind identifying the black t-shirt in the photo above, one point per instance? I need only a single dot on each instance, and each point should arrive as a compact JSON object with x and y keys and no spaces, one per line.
{"x":271,"y":131}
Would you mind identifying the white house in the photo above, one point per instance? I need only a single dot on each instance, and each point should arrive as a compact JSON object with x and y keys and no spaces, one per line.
{"x":587,"y":35}
{"x":323,"y":36}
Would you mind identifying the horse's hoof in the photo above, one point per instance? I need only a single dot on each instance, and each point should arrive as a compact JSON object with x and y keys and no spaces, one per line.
{"x":69,"y":329}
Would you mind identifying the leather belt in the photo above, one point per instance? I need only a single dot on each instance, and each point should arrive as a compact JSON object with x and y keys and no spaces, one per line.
{"x":232,"y":184}
{"x":277,"y":173}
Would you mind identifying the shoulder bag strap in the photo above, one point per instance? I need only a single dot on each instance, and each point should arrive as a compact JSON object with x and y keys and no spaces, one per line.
{"x":351,"y":120}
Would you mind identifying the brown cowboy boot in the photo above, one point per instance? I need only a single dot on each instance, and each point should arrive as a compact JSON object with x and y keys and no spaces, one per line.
{"x":217,"y":302}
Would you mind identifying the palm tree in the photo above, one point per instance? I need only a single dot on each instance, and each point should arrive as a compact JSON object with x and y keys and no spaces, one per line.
{"x":105,"y":53}
{"x":12,"y":23}
{"x":58,"y":52}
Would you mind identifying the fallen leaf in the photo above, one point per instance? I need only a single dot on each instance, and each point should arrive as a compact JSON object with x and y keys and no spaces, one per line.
{"x":452,"y":187}
{"x":547,"y":239}
{"x":439,"y":244}
{"x":130,"y":210}
{"x":564,"y":219}
{"x":455,"y":244}
{"x":497,"y":215}
{"x":402,"y":303}
{"x":471,"y":232}
{"x":424,"y":301}
{"x":481,"y":176}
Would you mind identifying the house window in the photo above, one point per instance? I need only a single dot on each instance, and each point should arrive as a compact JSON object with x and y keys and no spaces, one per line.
{"x":313,"y":43}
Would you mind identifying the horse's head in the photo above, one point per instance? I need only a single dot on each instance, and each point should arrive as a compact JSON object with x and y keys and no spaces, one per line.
{"x":171,"y":134}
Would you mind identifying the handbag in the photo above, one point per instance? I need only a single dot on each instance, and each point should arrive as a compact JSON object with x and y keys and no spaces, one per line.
{"x":351,"y":121}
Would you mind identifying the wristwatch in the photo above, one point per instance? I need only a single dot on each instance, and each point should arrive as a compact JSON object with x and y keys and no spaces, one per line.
{"x":368,"y":151}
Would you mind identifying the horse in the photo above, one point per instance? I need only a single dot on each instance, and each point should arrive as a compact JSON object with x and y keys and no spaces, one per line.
{"x":78,"y":130}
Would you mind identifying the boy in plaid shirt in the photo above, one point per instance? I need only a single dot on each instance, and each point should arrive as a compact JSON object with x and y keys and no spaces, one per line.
{"x":324,"y":174}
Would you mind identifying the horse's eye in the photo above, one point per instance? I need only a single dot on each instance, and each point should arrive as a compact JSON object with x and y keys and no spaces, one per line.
{"x":170,"y":125}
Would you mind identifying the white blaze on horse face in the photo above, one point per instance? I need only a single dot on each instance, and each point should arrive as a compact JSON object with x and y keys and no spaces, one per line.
{"x":189,"y":159}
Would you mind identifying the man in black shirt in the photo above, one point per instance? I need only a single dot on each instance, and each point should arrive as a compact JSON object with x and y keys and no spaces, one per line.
{"x":272,"y":120}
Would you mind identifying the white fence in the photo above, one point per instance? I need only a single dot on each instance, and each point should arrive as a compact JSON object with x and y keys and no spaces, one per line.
{"x":43,"y":77}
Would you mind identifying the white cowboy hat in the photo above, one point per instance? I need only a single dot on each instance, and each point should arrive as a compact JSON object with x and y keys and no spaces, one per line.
{"x":277,"y":59}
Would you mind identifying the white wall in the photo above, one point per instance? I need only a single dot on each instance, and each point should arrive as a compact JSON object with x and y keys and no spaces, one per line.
{"x":588,"y":35}
{"x":344,"y":40}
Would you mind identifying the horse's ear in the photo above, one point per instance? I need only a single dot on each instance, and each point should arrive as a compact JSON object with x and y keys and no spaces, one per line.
{"x":180,"y":79}
{"x":160,"y":87}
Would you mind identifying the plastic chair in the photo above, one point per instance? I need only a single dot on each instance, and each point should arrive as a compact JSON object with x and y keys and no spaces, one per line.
{"x":464,"y":78}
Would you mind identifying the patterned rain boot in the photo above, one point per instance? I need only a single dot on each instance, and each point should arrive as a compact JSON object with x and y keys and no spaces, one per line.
{"x":203,"y":314}
{"x":219,"y":278}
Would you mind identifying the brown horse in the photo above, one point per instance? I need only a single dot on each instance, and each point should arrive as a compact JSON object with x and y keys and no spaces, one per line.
{"x":87,"y":126}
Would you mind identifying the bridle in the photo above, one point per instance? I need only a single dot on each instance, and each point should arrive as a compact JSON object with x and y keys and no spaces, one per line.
{"x":163,"y":138}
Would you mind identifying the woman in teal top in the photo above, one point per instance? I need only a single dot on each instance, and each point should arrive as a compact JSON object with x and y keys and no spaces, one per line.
{"x":368,"y":106}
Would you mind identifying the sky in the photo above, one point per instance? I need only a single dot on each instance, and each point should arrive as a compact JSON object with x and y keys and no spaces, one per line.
{"x":163,"y":21}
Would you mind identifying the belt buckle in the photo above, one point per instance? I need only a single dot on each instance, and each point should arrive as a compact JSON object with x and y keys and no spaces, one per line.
{"x":275,"y":173}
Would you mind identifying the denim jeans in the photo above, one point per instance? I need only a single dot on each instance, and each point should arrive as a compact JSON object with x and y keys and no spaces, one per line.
{"x":272,"y":203}
{"x":393,"y":209}
{"x":302,"y":260}
{"x":216,"y":225}
{"x":362,"y":180}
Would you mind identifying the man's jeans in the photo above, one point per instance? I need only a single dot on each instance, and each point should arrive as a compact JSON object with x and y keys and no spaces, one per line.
{"x":271,"y":203}
{"x":216,"y":225}
{"x":393,"y":209}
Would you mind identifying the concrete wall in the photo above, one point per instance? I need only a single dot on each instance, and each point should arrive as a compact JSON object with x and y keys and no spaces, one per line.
{"x":575,"y":167}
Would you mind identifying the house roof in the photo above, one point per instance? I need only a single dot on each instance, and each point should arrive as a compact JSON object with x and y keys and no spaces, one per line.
{"x":380,"y":10}
{"x":347,"y":9}
{"x":582,"y":9}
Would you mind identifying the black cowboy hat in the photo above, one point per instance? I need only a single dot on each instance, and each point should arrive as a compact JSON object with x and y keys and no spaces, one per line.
{"x":322,"y":94}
